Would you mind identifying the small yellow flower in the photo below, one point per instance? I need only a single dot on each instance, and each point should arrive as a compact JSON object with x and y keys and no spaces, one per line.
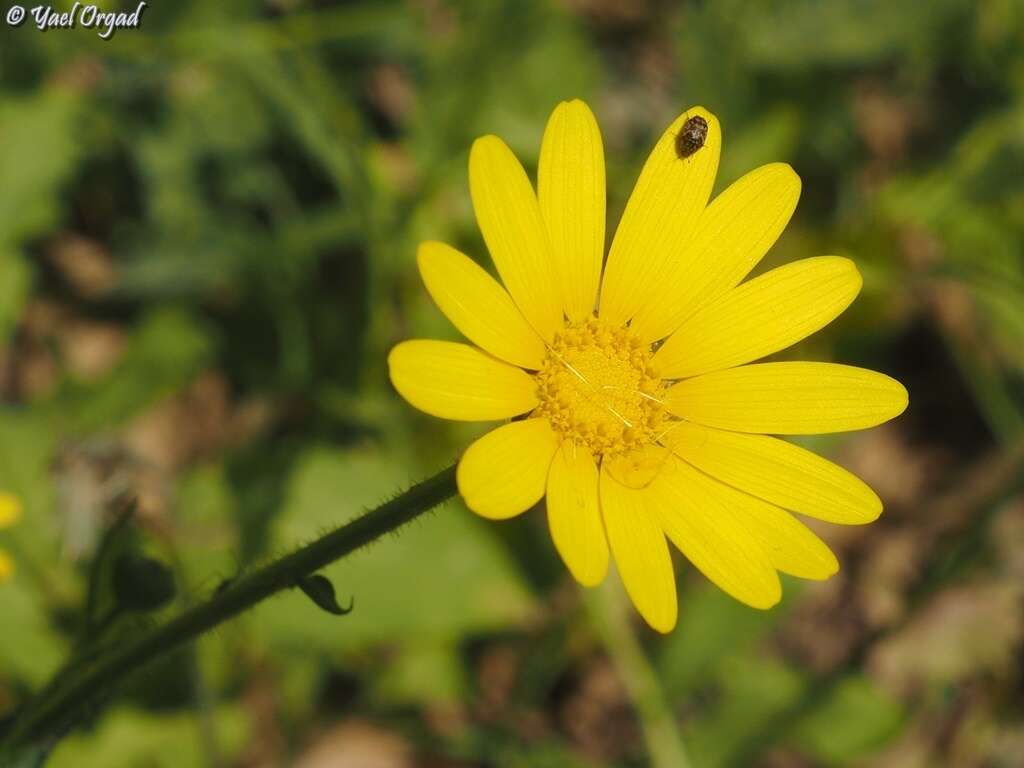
{"x":10,"y":511}
{"x":642,"y":419}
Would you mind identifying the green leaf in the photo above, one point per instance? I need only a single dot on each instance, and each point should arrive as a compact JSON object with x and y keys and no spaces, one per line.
{"x":206,"y":513}
{"x":15,"y":282}
{"x":141,"y":583}
{"x":37,"y":152}
{"x":713,"y":627}
{"x":27,"y":757}
{"x":130,"y":738}
{"x":101,"y":597}
{"x":425,"y":673}
{"x":31,"y":647}
{"x":853,"y":722}
{"x":750,"y":690}
{"x":319,"y":589}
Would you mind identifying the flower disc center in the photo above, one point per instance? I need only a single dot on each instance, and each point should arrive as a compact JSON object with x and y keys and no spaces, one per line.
{"x":598,"y":388}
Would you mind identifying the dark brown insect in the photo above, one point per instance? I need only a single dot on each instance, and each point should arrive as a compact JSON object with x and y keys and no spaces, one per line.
{"x":692,"y":137}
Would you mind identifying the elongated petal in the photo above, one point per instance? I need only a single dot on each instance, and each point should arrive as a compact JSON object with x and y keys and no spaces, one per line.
{"x":10,"y":509}
{"x":574,"y":514}
{"x":778,"y":472}
{"x":789,"y":398}
{"x":660,"y":218}
{"x":478,"y":306}
{"x":641,"y":554}
{"x":510,"y":221}
{"x":570,"y":187}
{"x":504,"y":472}
{"x":457,"y":381}
{"x":6,"y":567}
{"x":713,"y":537}
{"x":731,"y":237}
{"x":767,"y":314}
{"x":790,"y":546}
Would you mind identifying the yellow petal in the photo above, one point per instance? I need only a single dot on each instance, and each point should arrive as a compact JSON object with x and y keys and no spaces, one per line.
{"x":457,"y":381}
{"x":731,"y":237}
{"x":6,"y":567}
{"x":762,"y":316}
{"x":660,"y":218}
{"x":510,"y":221}
{"x":712,"y":536}
{"x":777,"y":471}
{"x":789,"y":398}
{"x":641,"y":554}
{"x":504,"y":472}
{"x":574,"y":514}
{"x":790,"y":545}
{"x":570,"y":187}
{"x":10,"y":509}
{"x":478,"y":306}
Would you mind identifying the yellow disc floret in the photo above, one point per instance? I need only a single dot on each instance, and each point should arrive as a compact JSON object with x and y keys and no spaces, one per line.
{"x":598,"y":388}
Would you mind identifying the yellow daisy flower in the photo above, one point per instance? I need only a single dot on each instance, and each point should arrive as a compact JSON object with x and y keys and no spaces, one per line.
{"x":641,"y":418}
{"x":10,"y":511}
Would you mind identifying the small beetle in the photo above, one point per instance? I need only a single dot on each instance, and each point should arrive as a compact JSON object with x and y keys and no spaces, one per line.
{"x":692,"y":137}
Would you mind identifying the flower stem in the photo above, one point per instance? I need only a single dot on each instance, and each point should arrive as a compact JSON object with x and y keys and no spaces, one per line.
{"x":60,"y":707}
{"x":661,"y":731}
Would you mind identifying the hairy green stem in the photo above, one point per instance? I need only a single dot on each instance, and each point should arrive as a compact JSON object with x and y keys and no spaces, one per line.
{"x":59,"y":708}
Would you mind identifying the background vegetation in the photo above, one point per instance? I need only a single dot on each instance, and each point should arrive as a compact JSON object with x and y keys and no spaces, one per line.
{"x":207,"y":240}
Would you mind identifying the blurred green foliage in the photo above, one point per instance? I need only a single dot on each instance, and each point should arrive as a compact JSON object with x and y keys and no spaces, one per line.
{"x":207,"y":240}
